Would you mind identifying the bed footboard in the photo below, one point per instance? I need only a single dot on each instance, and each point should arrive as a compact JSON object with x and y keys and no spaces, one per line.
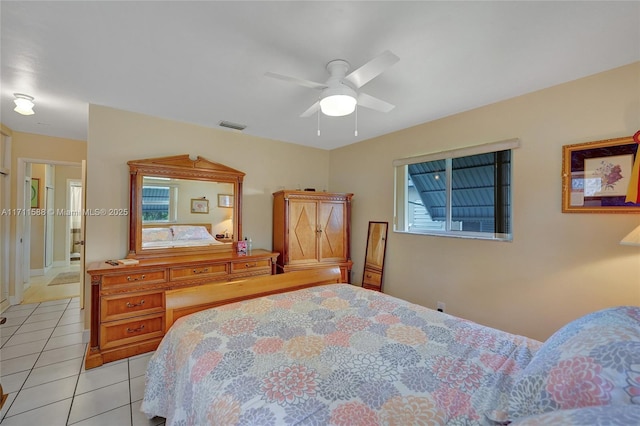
{"x":185,"y":301}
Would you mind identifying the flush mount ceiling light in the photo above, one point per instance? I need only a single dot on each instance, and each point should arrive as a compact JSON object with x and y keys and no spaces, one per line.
{"x":24,"y":104}
{"x":338,"y":101}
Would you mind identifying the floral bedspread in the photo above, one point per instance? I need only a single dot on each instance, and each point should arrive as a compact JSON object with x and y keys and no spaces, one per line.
{"x":335,"y":354}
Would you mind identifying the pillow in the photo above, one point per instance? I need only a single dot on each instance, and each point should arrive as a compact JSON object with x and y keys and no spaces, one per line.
{"x":156,"y":234}
{"x":190,"y":232}
{"x":610,"y":415}
{"x":594,"y":360}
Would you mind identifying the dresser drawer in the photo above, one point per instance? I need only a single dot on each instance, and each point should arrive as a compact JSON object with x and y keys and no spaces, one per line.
{"x":123,"y":332}
{"x":250,"y":266}
{"x":129,"y":305}
{"x":199,"y":271}
{"x":372,"y":278}
{"x":146,"y":277}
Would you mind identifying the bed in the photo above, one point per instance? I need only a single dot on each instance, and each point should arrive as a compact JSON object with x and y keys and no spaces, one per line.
{"x":177,"y":235}
{"x":342,"y":355}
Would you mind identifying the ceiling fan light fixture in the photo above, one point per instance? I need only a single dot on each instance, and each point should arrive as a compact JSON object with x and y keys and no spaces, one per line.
{"x":24,"y":104}
{"x":338,"y":105}
{"x":338,"y":101}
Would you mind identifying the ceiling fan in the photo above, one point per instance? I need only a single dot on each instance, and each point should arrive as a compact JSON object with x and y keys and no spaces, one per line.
{"x":339,"y":95}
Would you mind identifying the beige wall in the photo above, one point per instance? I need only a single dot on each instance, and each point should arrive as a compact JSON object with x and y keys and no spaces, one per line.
{"x":559,"y":266}
{"x":116,"y":137}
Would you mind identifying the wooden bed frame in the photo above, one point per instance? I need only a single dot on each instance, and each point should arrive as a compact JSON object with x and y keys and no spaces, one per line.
{"x":185,"y":301}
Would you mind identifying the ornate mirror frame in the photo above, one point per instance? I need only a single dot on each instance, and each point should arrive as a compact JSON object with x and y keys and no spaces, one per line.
{"x":180,"y":167}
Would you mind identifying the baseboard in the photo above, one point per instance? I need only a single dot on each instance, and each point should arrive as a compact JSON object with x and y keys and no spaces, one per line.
{"x":36,"y":272}
{"x":59,"y":263}
{"x":13,"y":300}
{"x":86,"y":336}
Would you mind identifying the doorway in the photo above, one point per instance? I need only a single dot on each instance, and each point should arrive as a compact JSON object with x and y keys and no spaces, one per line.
{"x":50,"y":272}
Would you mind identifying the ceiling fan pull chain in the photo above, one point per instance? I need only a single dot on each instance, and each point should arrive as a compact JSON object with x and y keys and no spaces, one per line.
{"x":356,"y":132}
{"x":318,"y":121}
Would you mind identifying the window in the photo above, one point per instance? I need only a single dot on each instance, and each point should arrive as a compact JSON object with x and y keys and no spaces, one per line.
{"x":461,"y":193}
{"x":158,"y":203}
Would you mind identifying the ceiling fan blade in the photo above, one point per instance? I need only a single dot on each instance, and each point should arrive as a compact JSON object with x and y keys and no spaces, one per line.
{"x":312,"y":110}
{"x":370,"y":102}
{"x":298,"y":81}
{"x":372,"y":69}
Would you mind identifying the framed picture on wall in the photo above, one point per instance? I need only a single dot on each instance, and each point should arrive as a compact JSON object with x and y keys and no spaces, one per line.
{"x":225,"y":200}
{"x":199,"y":205}
{"x":35,"y":193}
{"x":601,"y":176}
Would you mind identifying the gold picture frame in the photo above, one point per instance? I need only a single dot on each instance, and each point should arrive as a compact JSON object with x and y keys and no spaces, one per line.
{"x":199,"y":205}
{"x":598,"y":177}
{"x":225,"y":200}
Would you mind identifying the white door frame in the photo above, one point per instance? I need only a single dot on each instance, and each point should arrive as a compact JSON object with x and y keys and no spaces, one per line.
{"x":20,"y":220}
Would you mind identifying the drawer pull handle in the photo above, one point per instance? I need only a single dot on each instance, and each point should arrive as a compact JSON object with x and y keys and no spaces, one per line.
{"x":201,"y":271}
{"x":135,"y":330}
{"x":141,"y":277}
{"x":368,"y":275}
{"x":133,"y":305}
{"x":250,"y":265}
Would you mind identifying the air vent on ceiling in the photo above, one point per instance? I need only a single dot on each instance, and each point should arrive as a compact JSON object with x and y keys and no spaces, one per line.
{"x":230,"y":125}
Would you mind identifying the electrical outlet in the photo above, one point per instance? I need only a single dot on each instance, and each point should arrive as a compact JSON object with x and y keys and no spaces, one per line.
{"x":441,"y":306}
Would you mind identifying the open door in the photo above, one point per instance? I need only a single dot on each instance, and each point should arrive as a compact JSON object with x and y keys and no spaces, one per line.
{"x":82,"y":231}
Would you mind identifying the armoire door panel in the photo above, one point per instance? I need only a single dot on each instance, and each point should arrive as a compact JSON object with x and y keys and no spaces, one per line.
{"x":303,"y":246}
{"x":332,"y":218}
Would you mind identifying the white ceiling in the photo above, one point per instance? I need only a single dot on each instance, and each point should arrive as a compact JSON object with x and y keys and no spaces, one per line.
{"x":204,"y":62}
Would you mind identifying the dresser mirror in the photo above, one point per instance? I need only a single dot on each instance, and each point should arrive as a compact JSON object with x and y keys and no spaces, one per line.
{"x":181,"y":205}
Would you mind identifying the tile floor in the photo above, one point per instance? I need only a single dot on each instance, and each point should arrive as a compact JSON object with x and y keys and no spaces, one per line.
{"x":42,"y":370}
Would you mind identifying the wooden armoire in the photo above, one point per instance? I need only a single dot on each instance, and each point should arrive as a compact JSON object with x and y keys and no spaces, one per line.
{"x":312,"y":230}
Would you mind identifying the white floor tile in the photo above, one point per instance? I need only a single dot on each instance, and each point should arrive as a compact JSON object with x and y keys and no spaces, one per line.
{"x":55,"y":302}
{"x":14,"y":321}
{"x":51,"y":415}
{"x":41,"y":325}
{"x":21,"y":338}
{"x":8,"y":352}
{"x":7,"y":404}
{"x":121,"y":416}
{"x":137,"y":388}
{"x":28,"y":306}
{"x":39,"y":396}
{"x":15,"y":365}
{"x":13,"y":382}
{"x":61,"y":354}
{"x":140,"y":419}
{"x":17,"y":314}
{"x":47,"y":309}
{"x":62,"y":341}
{"x":138,"y":364}
{"x":71,"y":319}
{"x":102,"y":376}
{"x":54,"y":372}
{"x":99,"y":401}
{"x":44,"y":317}
{"x":68,"y":329}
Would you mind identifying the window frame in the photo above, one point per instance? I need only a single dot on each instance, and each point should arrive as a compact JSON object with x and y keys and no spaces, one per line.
{"x":401,"y":190}
{"x":173,"y":202}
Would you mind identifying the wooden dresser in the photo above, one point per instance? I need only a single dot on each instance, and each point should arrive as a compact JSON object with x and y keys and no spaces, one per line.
{"x":128,"y":302}
{"x":312,"y":230}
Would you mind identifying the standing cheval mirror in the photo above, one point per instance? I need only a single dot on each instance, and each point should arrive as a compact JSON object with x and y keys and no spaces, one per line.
{"x":374,"y":257}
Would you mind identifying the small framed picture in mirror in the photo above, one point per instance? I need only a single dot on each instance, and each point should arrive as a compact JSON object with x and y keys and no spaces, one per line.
{"x":225,"y":200}
{"x":199,"y":205}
